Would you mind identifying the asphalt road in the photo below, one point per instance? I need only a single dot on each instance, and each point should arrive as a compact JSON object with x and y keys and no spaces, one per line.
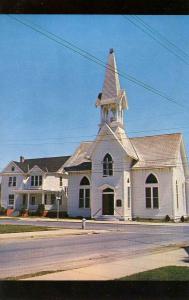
{"x":20,"y":257}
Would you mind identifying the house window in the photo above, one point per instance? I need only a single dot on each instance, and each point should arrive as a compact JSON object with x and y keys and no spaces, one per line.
{"x":53,"y":198}
{"x":152,"y":192}
{"x":13,"y":169}
{"x":45,"y":199}
{"x":24,"y":200}
{"x":36,"y":180}
{"x":11,"y":200}
{"x":177,"y":194}
{"x":33,"y":200}
{"x":60,"y":181}
{"x":66,"y":190}
{"x":12,"y":181}
{"x":84,"y":193}
{"x":107,"y":165}
{"x":118,"y":203}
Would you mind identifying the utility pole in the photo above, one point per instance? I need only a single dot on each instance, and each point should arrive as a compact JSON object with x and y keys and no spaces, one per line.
{"x":58,"y":198}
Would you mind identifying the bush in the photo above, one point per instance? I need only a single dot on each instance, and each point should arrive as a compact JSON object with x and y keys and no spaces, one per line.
{"x":32,"y":213}
{"x":53,"y":214}
{"x":40,"y":210}
{"x":22,"y":211}
{"x":182,"y":219}
{"x":167,"y":218}
{"x":3,"y":211}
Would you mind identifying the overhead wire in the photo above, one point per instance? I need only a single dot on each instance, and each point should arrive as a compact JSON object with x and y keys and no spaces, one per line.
{"x":162,"y":37}
{"x":94,"y":59}
{"x":156,"y":39}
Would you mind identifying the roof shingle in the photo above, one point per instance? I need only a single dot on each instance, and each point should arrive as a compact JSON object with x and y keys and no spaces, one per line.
{"x":50,"y":164}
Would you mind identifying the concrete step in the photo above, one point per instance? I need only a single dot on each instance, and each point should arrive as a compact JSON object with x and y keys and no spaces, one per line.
{"x":106,"y":218}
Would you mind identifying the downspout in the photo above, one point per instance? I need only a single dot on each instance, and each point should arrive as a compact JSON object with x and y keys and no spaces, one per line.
{"x":173,"y":194}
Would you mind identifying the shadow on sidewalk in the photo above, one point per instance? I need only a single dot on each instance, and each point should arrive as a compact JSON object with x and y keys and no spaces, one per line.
{"x":186,"y":259}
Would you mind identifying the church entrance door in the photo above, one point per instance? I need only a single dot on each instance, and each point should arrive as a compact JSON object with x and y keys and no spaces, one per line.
{"x":108,"y":202}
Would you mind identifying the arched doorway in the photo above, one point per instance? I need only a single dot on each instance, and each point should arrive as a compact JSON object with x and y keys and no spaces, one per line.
{"x":108,"y":202}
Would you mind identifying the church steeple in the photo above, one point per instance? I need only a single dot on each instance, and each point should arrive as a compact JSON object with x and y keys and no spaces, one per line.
{"x":112,"y":100}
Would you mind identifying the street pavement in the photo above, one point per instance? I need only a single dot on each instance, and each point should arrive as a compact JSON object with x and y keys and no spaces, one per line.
{"x":117,"y":241}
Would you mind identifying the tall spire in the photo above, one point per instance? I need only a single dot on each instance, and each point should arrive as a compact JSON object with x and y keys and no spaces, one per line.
{"x":112,"y":100}
{"x":111,"y":87}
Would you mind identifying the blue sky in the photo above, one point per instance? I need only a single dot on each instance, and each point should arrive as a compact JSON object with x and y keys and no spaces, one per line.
{"x":48,"y":92}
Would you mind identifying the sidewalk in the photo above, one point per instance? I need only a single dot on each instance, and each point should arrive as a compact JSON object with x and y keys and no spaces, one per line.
{"x":47,"y":233}
{"x":105,"y":222}
{"x":120,"y":268}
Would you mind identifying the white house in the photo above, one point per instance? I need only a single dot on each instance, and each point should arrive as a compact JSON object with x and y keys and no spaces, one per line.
{"x":122,"y":177}
{"x":30,"y":182}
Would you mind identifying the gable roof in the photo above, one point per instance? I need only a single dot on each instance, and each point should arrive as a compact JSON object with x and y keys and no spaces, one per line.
{"x":157,"y":150}
{"x":50,"y":164}
{"x":119,"y":136}
{"x":126,"y":142}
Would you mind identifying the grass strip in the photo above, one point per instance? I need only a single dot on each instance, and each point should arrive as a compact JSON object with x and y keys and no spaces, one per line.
{"x":9,"y":228}
{"x":169,"y":273}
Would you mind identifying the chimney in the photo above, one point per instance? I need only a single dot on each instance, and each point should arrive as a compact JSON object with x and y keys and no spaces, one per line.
{"x":21,"y":159}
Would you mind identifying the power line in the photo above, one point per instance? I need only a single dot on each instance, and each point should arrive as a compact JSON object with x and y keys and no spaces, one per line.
{"x":156,"y":39}
{"x":95,"y":135}
{"x":161,"y":36}
{"x":94,"y":59}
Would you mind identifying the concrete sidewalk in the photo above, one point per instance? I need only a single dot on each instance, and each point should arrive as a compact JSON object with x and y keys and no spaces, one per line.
{"x":98,"y":222}
{"x":120,"y":268}
{"x":47,"y":233}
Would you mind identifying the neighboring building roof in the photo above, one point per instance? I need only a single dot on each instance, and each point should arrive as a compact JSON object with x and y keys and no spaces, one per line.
{"x":157,"y":150}
{"x":50,"y":164}
{"x":79,"y":158}
{"x":85,"y":166}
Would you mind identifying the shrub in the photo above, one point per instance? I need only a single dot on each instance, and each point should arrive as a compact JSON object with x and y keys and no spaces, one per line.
{"x":167,"y":218}
{"x":22,"y":211}
{"x":32,"y":213}
{"x":182,"y":219}
{"x":40,"y":210}
{"x":53,"y":214}
{"x":3,"y":211}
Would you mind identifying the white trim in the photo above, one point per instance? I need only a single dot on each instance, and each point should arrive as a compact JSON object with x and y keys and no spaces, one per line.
{"x":106,"y":185}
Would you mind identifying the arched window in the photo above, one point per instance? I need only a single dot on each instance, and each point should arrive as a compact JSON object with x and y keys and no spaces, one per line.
{"x":152,"y":192}
{"x":84,"y":193}
{"x":108,"y":190}
{"x":107,"y":165}
{"x":84,"y":181}
{"x":151,"y":179}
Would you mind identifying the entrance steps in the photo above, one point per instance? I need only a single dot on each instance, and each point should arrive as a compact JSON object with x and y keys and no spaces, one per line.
{"x":106,"y":218}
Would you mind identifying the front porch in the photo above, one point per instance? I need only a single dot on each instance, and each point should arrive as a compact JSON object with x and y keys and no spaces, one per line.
{"x":30,"y":200}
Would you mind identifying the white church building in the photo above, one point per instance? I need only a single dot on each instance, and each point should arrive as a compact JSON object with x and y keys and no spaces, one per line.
{"x":116,"y":176}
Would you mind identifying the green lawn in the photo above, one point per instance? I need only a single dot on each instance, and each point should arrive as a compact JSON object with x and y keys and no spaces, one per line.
{"x":5,"y":228}
{"x":164,"y":273}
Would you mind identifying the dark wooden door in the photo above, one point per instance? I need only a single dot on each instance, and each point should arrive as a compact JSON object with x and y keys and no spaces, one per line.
{"x":108,"y":204}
